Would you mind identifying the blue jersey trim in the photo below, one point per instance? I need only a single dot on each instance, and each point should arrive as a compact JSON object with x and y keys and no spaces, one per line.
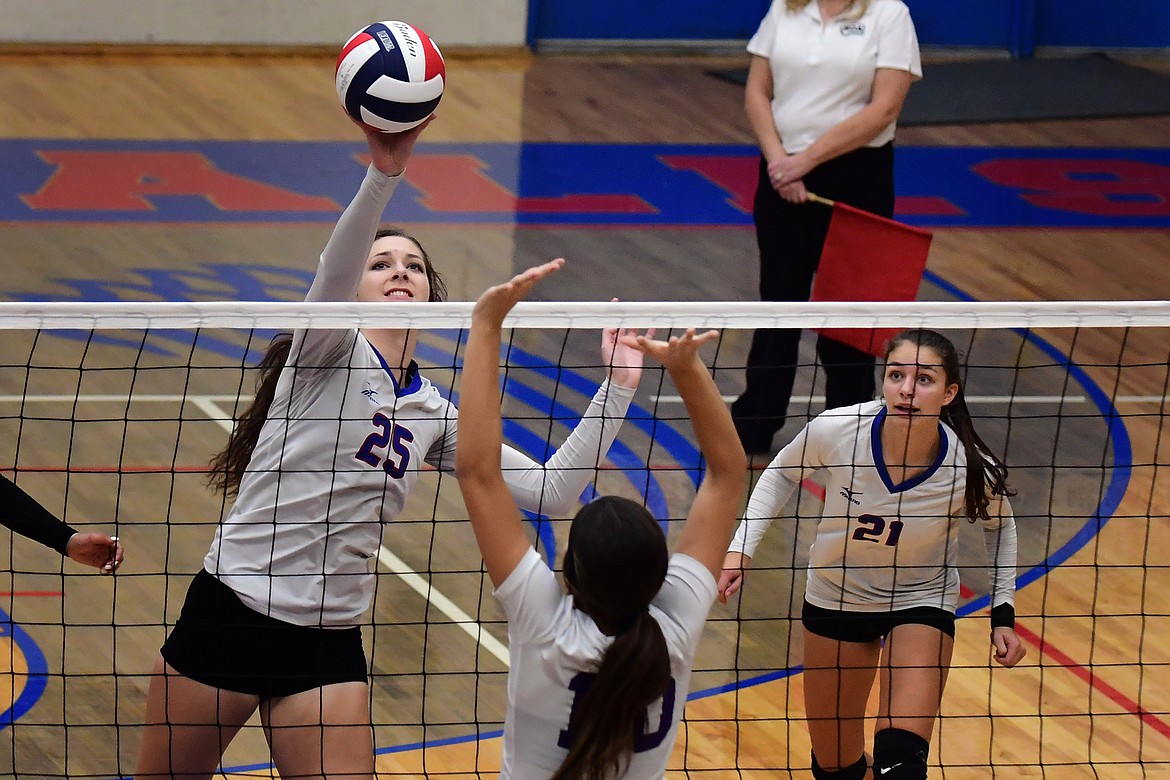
{"x":879,"y":459}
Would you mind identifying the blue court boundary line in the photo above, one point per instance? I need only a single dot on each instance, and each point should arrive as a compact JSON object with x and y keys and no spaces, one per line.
{"x":535,"y":446}
{"x":38,"y":672}
{"x":685,"y":453}
{"x":1122,"y":471}
{"x":538,"y":448}
{"x":1118,"y":436}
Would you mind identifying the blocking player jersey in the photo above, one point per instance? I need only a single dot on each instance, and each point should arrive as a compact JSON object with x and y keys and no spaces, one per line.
{"x":880,"y":545}
{"x":555,"y":649}
{"x":343,"y":445}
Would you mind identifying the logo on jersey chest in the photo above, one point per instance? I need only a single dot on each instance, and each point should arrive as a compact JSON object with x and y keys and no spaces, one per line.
{"x":852,"y":28}
{"x":848,"y":495}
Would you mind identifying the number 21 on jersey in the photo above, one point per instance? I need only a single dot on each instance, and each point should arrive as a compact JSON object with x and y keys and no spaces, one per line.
{"x":872,"y":528}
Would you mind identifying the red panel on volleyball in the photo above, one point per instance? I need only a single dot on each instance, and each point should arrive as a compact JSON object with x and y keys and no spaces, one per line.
{"x":869,"y":258}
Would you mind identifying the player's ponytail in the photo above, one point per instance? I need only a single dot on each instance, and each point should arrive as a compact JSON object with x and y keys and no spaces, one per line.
{"x":634,"y":673}
{"x":615,"y":564}
{"x":227,"y":468}
{"x":985,"y":470}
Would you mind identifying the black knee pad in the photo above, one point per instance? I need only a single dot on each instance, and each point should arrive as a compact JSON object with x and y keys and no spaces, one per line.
{"x":855,"y":771}
{"x":899,"y":755}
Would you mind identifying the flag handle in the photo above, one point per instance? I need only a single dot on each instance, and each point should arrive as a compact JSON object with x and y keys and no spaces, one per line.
{"x":823,"y":201}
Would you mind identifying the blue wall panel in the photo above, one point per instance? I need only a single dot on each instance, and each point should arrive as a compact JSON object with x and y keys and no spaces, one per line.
{"x":1006,"y":25}
{"x":1127,"y":23}
{"x":985,"y":23}
{"x":645,"y":19}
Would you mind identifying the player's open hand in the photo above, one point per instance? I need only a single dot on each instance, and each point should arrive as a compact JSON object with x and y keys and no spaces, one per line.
{"x":391,"y":151}
{"x":678,"y":353}
{"x":623,"y":360}
{"x":497,"y":301}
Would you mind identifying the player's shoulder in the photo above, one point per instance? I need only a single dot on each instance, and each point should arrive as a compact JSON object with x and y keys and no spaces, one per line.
{"x":847,"y":418}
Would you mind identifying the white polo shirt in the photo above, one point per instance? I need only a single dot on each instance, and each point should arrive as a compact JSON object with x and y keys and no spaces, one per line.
{"x":823,"y":73}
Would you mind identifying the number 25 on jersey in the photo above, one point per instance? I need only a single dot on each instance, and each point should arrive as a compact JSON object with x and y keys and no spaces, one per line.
{"x":390,"y":440}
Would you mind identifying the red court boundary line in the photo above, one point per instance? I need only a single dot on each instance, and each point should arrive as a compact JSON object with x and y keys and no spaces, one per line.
{"x":1086,"y":674}
{"x":14,"y":593}
{"x":1066,"y":661}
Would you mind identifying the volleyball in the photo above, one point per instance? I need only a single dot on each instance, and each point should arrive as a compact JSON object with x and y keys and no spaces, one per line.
{"x":390,"y":76}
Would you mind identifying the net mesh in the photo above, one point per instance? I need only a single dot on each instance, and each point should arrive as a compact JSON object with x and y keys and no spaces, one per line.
{"x":112,"y":416}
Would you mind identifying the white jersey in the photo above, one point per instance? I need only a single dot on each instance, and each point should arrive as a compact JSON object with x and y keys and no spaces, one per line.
{"x":555,"y":647}
{"x":880,"y":546}
{"x":823,"y":72}
{"x":342,"y":447}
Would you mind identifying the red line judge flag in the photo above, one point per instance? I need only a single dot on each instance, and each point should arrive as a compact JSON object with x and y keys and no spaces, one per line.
{"x":869,"y":258}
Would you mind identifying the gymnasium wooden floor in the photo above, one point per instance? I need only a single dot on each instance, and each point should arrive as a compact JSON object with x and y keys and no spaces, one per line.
{"x":1090,"y":701}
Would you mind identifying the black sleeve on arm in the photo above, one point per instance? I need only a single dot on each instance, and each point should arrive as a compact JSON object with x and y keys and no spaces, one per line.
{"x":20,"y":512}
{"x":1003,"y":616}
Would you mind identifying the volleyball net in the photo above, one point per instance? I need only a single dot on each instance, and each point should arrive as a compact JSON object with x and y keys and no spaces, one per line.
{"x":111,"y":413}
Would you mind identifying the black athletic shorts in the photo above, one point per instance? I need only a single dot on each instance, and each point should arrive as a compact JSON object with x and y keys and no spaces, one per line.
{"x":219,"y":641}
{"x":868,"y":626}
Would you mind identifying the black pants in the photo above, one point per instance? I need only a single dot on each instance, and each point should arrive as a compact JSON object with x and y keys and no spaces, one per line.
{"x":791,"y":237}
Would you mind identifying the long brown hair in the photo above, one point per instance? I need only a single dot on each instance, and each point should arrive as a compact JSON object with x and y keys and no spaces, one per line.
{"x":227,"y":468}
{"x":984,"y":468}
{"x":615,"y":564}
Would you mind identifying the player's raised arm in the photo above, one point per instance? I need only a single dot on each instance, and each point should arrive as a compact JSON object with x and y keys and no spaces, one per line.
{"x":716,"y":505}
{"x":494,"y":515}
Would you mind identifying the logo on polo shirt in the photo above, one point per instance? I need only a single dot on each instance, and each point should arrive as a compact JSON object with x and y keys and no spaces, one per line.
{"x":852,"y":28}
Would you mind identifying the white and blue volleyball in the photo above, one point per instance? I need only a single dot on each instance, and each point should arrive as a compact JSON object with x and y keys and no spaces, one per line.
{"x":390,"y":76}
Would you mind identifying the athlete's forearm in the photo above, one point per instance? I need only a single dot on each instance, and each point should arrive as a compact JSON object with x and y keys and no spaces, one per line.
{"x":553,"y":488}
{"x":22,"y":514}
{"x":344,"y":257}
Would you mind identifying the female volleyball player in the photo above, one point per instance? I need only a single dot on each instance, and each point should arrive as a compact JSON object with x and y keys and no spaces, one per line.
{"x":23,"y":515}
{"x":883,"y":582}
{"x":599,"y":676}
{"x":342,"y":425}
